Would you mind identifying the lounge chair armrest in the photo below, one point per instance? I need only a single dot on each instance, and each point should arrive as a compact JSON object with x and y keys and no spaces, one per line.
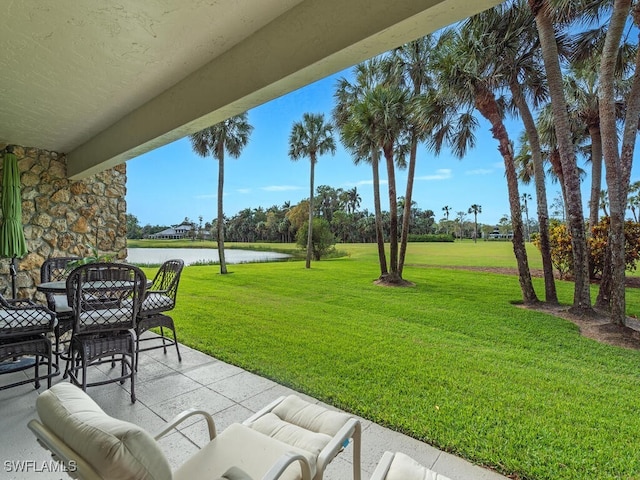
{"x":181,"y":417}
{"x":380,"y":473}
{"x":283,"y":463}
{"x":263,"y":411}
{"x":76,"y":466}
{"x":340,"y":440}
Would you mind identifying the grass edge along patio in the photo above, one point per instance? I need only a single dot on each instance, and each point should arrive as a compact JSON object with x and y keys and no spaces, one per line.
{"x":451,"y":361}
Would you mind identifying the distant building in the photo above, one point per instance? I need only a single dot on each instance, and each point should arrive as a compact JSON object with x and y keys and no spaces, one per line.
{"x":178,"y":232}
{"x":496,"y":235}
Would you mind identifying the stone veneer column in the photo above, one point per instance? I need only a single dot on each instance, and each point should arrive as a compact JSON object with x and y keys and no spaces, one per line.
{"x":61,"y":217}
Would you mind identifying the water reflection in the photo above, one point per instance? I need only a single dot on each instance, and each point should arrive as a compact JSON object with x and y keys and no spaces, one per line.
{"x":199,"y":255}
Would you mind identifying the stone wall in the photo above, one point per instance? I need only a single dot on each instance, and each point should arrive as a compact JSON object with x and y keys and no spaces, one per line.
{"x":61,"y":217}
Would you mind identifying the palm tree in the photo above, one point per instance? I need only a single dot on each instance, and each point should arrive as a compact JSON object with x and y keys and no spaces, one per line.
{"x":547,"y":35}
{"x":389,"y":109}
{"x":617,"y":157}
{"x":353,"y":200}
{"x":447,"y":209}
{"x":310,"y":138}
{"x":410,"y":65}
{"x":465,"y":80}
{"x":230,"y":136}
{"x":355,"y":121}
{"x":475,"y":209}
{"x":525,"y":207}
{"x":460,"y":219}
{"x":582,"y":91}
{"x":515,"y":58}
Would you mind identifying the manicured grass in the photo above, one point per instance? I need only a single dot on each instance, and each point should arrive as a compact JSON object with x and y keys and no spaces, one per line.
{"x":450,"y":361}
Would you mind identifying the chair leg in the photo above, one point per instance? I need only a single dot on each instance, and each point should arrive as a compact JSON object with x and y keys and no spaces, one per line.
{"x":49,"y":367}
{"x":137,"y":354}
{"x":123,"y":368}
{"x":84,"y":373}
{"x":37,"y":372}
{"x":164,"y":342}
{"x":131,"y":374}
{"x":357,"y":439}
{"x":175,"y":342}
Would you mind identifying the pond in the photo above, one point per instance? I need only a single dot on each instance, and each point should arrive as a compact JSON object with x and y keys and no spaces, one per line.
{"x":156,"y":256}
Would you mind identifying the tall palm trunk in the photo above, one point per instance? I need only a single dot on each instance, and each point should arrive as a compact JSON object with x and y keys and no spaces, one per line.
{"x":596,"y":173}
{"x":310,"y":229}
{"x":382,"y":256}
{"x":618,"y":166}
{"x":551,"y":295}
{"x":393,"y":214}
{"x":223,"y":262}
{"x":406,"y":216}
{"x":488,"y":108}
{"x":573,"y":199}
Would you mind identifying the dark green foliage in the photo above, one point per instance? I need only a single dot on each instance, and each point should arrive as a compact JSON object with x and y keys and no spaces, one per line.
{"x":443,"y":237}
{"x":322,"y":239}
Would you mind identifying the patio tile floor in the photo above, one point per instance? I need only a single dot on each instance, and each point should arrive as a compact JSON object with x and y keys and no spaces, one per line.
{"x":164,"y":387}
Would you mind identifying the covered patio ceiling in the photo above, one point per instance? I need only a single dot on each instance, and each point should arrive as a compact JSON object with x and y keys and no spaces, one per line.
{"x":103,"y":82}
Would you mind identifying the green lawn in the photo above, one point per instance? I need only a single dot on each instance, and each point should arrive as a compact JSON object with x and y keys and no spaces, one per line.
{"x":450,"y":361}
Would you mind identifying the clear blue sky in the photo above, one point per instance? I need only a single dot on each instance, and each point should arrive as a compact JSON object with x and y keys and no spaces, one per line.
{"x":172,"y":182}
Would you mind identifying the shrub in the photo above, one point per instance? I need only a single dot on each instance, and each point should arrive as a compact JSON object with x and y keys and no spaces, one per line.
{"x":322,"y":240}
{"x":598,"y":243}
{"x":562,"y":253}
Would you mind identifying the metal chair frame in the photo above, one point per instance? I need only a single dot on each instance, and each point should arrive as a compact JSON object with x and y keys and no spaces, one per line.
{"x":159,"y":299}
{"x":57,"y":269}
{"x":105,"y":298}
{"x":24,"y":327}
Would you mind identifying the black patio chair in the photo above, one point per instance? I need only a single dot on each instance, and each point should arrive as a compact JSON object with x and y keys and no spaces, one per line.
{"x":57,"y":269}
{"x":24,"y":341}
{"x":105,"y":298}
{"x":159,"y":299}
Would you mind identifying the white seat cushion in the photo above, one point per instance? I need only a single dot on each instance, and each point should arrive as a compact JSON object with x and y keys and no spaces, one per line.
{"x":24,"y":317}
{"x":404,"y":467}
{"x":250,"y":452}
{"x":61,"y":304}
{"x":112,"y":315}
{"x":118,"y":450}
{"x":272,"y":426}
{"x":156,"y":300}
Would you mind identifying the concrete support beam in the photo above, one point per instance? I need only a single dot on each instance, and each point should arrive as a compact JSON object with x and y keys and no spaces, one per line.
{"x":312,"y":40}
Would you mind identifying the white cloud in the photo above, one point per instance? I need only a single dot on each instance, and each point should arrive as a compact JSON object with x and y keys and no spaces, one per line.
{"x":280,"y":188}
{"x":499,"y":165}
{"x":244,"y":190}
{"x":441,"y":174}
{"x":479,"y":171}
{"x":369,"y":182}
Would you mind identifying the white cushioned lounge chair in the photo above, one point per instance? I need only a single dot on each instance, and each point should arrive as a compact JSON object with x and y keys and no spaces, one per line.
{"x":398,"y":466}
{"x":322,"y":432}
{"x":93,"y":445}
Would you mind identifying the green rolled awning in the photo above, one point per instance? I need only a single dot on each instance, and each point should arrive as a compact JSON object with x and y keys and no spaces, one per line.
{"x":12,"y":241}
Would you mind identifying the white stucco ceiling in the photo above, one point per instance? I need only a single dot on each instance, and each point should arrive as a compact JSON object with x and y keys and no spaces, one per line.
{"x":104,"y":81}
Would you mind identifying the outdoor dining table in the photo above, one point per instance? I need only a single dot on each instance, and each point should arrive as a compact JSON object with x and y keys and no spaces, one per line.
{"x":60,"y":287}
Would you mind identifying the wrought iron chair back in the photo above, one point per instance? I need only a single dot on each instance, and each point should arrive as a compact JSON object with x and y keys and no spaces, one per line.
{"x":57,"y":269}
{"x":161,"y":296}
{"x":105,"y":296}
{"x":24,"y":326}
{"x":159,"y":299}
{"x":22,"y":317}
